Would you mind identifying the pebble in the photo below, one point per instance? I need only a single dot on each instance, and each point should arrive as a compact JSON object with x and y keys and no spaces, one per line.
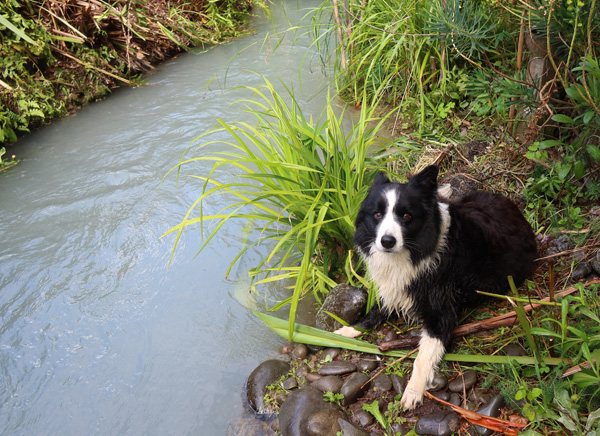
{"x":438,"y":382}
{"x":330,"y":383}
{"x":365,"y":418}
{"x":351,"y":430}
{"x":354,"y":386}
{"x":514,"y":350}
{"x":382,"y":383}
{"x":463,"y":382}
{"x":290,"y":383}
{"x":313,"y":376}
{"x":454,"y":399}
{"x":337,"y":368}
{"x":366,"y":365}
{"x":399,"y":383}
{"x":581,"y":271}
{"x":595,"y":263}
{"x":438,"y":424}
{"x":391,"y":335}
{"x":300,"y":351}
{"x":480,"y":396}
{"x":324,"y":423}
{"x":445,"y":396}
{"x":331,"y":352}
{"x":264,"y":375}
{"x":490,"y":409}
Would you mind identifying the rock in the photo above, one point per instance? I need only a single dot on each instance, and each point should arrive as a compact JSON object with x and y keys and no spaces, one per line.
{"x":463,"y":382}
{"x":250,"y":426}
{"x":299,"y":407}
{"x":331,"y":352}
{"x":337,"y":367}
{"x":354,"y":386}
{"x":445,"y":396}
{"x":438,"y":382}
{"x":324,"y":423}
{"x":300,"y":351}
{"x":264,"y":375}
{"x":290,"y":383}
{"x":345,"y":302}
{"x":313,"y":376}
{"x":581,"y":271}
{"x":400,"y":429}
{"x":595,"y":263}
{"x":366,"y":365}
{"x":438,"y":424}
{"x":480,"y":396}
{"x":350,"y":430}
{"x":490,"y":409}
{"x":514,"y":350}
{"x":330,"y":383}
{"x":454,"y":399}
{"x":390,"y":336}
{"x":302,"y":371}
{"x":399,"y":383}
{"x":364,"y":418}
{"x":560,"y":244}
{"x":382,"y":383}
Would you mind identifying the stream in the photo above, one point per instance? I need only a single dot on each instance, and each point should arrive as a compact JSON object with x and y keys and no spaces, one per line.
{"x":98,"y":334}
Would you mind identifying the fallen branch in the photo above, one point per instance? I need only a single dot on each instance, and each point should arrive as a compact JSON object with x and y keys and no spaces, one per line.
{"x":496,"y":424}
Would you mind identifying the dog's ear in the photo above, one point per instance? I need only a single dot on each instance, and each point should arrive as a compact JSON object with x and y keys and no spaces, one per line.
{"x":380,"y":179}
{"x":426,"y":179}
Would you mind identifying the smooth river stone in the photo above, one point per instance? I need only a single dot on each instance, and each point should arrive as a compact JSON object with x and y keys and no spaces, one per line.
{"x":337,"y":368}
{"x":463,"y":382}
{"x":438,"y":424}
{"x":299,"y":406}
{"x":329,"y":383}
{"x":354,"y":386}
{"x":256,"y":385}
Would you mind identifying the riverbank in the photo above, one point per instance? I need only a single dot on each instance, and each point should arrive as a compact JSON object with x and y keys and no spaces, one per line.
{"x":58,"y":56}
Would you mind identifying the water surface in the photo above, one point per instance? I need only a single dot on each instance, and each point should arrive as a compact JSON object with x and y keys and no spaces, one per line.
{"x":97,"y":335}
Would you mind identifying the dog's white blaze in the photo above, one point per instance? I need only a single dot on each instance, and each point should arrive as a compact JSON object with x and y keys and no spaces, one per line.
{"x":431,"y":351}
{"x":389,"y":226}
{"x":394,"y":271}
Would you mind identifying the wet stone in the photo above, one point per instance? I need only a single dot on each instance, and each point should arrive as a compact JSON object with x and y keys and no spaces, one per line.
{"x":480,"y":396}
{"x":351,"y":430}
{"x":330,"y":383}
{"x":302,"y":371}
{"x":490,"y":409}
{"x":399,"y":383}
{"x":382,"y":383}
{"x":313,"y":376}
{"x":365,"y":418}
{"x":438,"y":424}
{"x":595,"y":263}
{"x":264,"y":375}
{"x":366,"y":365}
{"x":454,"y":399}
{"x":514,"y":350}
{"x":354,"y":386}
{"x":324,"y":423}
{"x":438,"y":382}
{"x":463,"y":382}
{"x":344,"y":301}
{"x":337,"y":368}
{"x":330,"y":352}
{"x":581,"y":271}
{"x":290,"y":383}
{"x":445,"y":396}
{"x":299,"y":407}
{"x":391,"y":335}
{"x":300,"y":351}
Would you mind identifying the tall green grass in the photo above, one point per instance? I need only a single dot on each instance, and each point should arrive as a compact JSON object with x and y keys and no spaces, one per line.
{"x":299,"y":187}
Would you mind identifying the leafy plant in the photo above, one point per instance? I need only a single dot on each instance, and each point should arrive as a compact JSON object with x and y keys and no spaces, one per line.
{"x":333,"y":398}
{"x":300,"y":186}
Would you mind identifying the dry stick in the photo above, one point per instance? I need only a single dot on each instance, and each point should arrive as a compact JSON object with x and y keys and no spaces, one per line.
{"x":511,"y":113}
{"x":114,"y":76}
{"x":505,"y":320}
{"x":338,"y":21}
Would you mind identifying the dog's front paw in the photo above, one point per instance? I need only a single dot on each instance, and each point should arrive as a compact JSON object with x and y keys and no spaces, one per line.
{"x":411,"y":398}
{"x":349,"y":332}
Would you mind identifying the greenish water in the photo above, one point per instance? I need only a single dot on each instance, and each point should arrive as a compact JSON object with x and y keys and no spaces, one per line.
{"x":97,"y":336}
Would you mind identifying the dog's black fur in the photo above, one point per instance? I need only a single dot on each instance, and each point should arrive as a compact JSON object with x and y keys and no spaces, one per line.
{"x":487,"y":241}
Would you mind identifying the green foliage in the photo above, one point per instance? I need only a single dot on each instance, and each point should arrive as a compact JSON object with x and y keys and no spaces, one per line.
{"x":300,"y":185}
{"x":373,"y":409}
{"x":333,"y":398}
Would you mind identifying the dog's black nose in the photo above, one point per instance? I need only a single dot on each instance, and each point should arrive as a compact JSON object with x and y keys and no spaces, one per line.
{"x":388,"y":241}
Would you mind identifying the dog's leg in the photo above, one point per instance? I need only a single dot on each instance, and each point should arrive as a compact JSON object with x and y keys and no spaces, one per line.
{"x":431,"y":351}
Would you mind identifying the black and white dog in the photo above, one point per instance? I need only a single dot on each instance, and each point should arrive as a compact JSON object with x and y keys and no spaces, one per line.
{"x":429,"y":256}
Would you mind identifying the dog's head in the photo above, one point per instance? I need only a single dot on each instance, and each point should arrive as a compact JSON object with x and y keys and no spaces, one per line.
{"x":400,"y":216}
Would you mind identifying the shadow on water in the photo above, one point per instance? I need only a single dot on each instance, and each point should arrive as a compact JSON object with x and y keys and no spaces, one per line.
{"x":97,"y":336}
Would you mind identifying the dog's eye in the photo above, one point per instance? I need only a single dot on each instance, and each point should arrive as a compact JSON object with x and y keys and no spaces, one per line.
{"x":378,"y":215}
{"x":406,"y":217}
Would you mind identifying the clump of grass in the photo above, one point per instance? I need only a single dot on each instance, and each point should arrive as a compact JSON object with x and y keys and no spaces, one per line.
{"x":300,"y":185}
